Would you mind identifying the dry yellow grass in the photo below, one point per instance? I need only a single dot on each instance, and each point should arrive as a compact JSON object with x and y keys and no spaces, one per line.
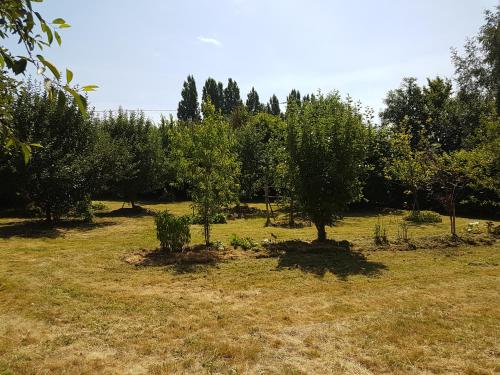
{"x":69,"y":304}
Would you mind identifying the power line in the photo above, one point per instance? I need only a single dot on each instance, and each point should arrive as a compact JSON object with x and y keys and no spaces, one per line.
{"x":135,"y":110}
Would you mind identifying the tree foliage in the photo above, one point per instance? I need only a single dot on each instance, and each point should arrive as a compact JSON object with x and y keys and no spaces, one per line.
{"x":57,"y":179}
{"x":205,"y":159}
{"x":253,"y":103}
{"x":328,"y":148}
{"x":189,"y":109}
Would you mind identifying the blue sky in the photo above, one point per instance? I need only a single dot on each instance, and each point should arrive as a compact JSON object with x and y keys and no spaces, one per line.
{"x":140,"y":52}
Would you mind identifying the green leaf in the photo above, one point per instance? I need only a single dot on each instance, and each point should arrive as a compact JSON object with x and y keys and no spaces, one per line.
{"x":26,"y":151}
{"x":64,"y":26}
{"x":58,"y":37}
{"x":19,"y":66}
{"x":80,"y":101}
{"x":59,"y":21}
{"x":89,"y":88}
{"x":46,"y":29}
{"x":49,"y":65}
{"x":37,"y":145}
{"x":2,"y":61}
{"x":69,"y":76}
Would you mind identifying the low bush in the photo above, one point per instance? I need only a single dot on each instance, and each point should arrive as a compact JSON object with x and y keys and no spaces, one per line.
{"x":424,"y":217}
{"x":246,"y":243}
{"x":172,"y":231}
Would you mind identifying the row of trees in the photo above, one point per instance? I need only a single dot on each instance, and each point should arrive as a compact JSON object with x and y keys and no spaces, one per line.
{"x":225,"y":100}
{"x":318,"y":157}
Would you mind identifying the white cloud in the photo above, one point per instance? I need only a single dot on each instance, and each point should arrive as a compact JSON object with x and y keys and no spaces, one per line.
{"x":213,"y":41}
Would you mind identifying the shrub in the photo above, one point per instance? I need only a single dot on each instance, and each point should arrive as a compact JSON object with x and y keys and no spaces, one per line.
{"x":172,"y":231}
{"x":380,"y":233}
{"x":246,"y":243}
{"x":424,"y":217}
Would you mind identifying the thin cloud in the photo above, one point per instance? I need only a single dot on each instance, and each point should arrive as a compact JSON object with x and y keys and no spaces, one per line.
{"x":213,"y":41}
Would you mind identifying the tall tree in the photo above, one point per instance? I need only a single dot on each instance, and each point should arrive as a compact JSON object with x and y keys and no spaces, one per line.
{"x":135,"y":161}
{"x":57,"y":179}
{"x":328,"y":149}
{"x":205,"y":159}
{"x":442,"y":125}
{"x":213,"y":91}
{"x":293,"y":96}
{"x":253,"y":103}
{"x":260,"y":140}
{"x":188,"y":109}
{"x":405,"y":109}
{"x":478,"y":69}
{"x":273,"y":107}
{"x":231,"y":97}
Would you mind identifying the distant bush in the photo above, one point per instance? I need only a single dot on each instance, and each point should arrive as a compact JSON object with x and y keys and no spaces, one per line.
{"x":246,"y":243}
{"x":424,"y":217}
{"x":172,"y":231}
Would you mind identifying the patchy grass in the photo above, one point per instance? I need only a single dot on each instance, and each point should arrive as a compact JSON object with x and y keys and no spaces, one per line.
{"x":70,"y":303}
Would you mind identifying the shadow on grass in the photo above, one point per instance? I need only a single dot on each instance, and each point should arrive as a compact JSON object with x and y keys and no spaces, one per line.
{"x":42,"y":229}
{"x":137,"y":211}
{"x":191,"y":260}
{"x":321,"y":257}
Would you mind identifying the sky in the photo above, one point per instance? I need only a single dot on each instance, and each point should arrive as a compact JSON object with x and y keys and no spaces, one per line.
{"x":140,"y":52}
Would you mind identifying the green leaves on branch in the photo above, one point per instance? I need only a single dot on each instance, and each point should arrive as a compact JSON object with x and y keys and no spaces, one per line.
{"x":50,"y":66}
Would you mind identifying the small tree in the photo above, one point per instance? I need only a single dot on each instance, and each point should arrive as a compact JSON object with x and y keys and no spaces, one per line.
{"x":328,"y":147}
{"x":204,"y":157}
{"x":458,"y":170}
{"x":259,"y":143}
{"x":409,"y":166}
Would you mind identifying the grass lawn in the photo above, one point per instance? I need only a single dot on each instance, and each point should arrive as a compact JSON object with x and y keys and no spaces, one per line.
{"x":70,"y":304}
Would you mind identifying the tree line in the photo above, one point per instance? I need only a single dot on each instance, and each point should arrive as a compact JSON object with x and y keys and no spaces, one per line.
{"x":438,"y":145}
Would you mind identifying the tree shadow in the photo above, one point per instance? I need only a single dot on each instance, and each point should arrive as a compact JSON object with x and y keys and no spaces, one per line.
{"x":321,"y":257}
{"x":137,"y":211}
{"x":192,"y":260}
{"x":42,"y":229}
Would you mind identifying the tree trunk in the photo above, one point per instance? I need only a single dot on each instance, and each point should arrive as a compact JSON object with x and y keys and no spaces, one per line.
{"x":453,"y":219}
{"x":321,"y":232}
{"x":206,"y":232}
{"x":291,"y":222}
{"x":416,"y":207}
{"x":48,"y":215}
{"x":266,"y":195}
{"x":133,"y":204}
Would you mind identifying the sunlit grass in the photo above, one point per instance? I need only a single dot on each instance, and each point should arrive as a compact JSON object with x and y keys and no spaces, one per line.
{"x":69,"y":303}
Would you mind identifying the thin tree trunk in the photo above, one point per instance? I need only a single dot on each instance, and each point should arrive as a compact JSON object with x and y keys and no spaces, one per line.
{"x":266,"y":195}
{"x":321,"y":232}
{"x":291,"y":222}
{"x":453,"y":219}
{"x":48,"y":215}
{"x":416,"y":207}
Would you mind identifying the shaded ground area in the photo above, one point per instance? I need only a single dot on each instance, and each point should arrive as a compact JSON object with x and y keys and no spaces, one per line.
{"x":42,"y":229}
{"x":321,"y":257}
